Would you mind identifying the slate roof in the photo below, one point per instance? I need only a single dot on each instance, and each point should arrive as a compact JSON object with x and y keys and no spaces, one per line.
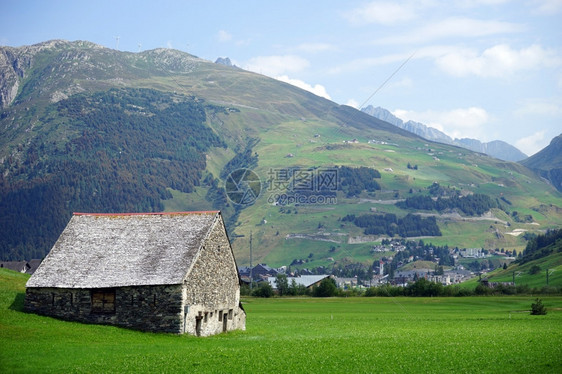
{"x":28,"y":267}
{"x":304,"y":280}
{"x":33,"y":265}
{"x":116,"y":250}
{"x":21,"y":266}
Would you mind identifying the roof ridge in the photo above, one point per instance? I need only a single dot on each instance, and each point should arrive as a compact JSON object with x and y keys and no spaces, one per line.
{"x":116,"y":251}
{"x":147,"y":214}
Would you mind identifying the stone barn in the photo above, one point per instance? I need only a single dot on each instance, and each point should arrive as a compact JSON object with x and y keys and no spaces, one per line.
{"x":161,"y":272}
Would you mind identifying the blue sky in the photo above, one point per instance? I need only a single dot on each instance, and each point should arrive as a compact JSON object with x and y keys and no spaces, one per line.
{"x":485,"y":69}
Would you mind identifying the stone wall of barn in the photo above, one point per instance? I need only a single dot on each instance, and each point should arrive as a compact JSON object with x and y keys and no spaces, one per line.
{"x":212,"y":289}
{"x":148,"y":308}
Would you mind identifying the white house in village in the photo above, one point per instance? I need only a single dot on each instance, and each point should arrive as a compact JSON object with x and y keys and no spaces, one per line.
{"x":163,"y":272}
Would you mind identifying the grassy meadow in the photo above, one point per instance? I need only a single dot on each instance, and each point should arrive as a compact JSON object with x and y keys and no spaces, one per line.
{"x":335,"y":335}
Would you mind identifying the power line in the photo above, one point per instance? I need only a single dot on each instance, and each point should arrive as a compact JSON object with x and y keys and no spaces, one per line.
{"x":387,"y":79}
{"x":339,"y":131}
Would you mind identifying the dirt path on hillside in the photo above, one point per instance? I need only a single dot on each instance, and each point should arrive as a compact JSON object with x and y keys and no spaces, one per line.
{"x":489,"y":216}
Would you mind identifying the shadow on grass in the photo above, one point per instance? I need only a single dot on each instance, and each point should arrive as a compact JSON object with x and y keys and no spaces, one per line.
{"x":17,"y":304}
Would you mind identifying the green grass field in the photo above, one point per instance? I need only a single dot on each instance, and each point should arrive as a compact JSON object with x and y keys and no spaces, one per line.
{"x":336,"y":335}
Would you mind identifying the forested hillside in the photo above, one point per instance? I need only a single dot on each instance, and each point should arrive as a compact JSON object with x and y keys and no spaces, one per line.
{"x":113,"y":151}
{"x":541,"y":246}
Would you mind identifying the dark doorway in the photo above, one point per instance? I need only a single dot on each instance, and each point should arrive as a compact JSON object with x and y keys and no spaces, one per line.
{"x":224,"y":323}
{"x":198,"y":325}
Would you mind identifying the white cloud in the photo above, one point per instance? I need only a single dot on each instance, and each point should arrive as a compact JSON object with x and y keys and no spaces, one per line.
{"x":498,"y":61}
{"x":453,"y":27}
{"x":277,"y":65}
{"x":476,"y":3}
{"x":533,"y":143}
{"x":457,"y":123}
{"x":381,"y":12}
{"x":548,"y":7}
{"x":224,"y":36}
{"x":317,"y":89}
{"x":540,"y":107}
{"x":352,"y":103}
{"x":365,"y":63}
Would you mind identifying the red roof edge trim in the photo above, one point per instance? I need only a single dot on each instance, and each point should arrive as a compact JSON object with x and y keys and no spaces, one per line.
{"x":148,"y":214}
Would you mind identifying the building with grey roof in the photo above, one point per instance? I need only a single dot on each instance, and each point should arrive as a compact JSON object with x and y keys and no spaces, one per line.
{"x":308,"y":281}
{"x":163,"y":272}
{"x":19,"y":266}
{"x":28,"y":267}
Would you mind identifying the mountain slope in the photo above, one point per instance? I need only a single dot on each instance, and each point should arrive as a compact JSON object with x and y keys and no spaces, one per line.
{"x":86,"y":128}
{"x":495,"y":148}
{"x":548,"y":162}
{"x":542,"y":254}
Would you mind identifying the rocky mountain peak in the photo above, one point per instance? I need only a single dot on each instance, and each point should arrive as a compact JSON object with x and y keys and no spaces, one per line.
{"x":496,"y":148}
{"x":223,"y":61}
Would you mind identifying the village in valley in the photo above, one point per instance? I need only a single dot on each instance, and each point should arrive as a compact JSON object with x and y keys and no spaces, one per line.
{"x":403,"y":263}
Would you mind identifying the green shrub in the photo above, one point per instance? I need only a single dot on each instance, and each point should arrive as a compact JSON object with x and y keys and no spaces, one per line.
{"x":482,"y":290}
{"x":537,"y":308}
{"x":264,"y":290}
{"x":327,"y":288}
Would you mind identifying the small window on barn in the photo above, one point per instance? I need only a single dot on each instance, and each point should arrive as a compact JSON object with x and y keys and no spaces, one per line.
{"x":220,"y":315}
{"x":230,"y":314}
{"x":103,"y":301}
{"x":206,"y":317}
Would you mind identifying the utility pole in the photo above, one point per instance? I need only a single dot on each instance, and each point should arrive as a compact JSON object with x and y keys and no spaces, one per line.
{"x":547,"y":277}
{"x":251,"y":266}
{"x":514,"y":278}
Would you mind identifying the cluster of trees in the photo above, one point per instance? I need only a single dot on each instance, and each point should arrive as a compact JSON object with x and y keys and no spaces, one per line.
{"x":421,"y":251}
{"x":356,"y":180}
{"x":541,"y":246}
{"x":326,"y":288}
{"x":526,"y":218}
{"x":424,"y":288}
{"x":420,"y":288}
{"x":245,"y":159}
{"x":502,"y":289}
{"x":114,"y":151}
{"x":308,"y":184}
{"x":356,"y":269}
{"x":477,"y":266}
{"x":319,"y":182}
{"x":437,"y":190}
{"x":389,"y":224}
{"x":471,"y":205}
